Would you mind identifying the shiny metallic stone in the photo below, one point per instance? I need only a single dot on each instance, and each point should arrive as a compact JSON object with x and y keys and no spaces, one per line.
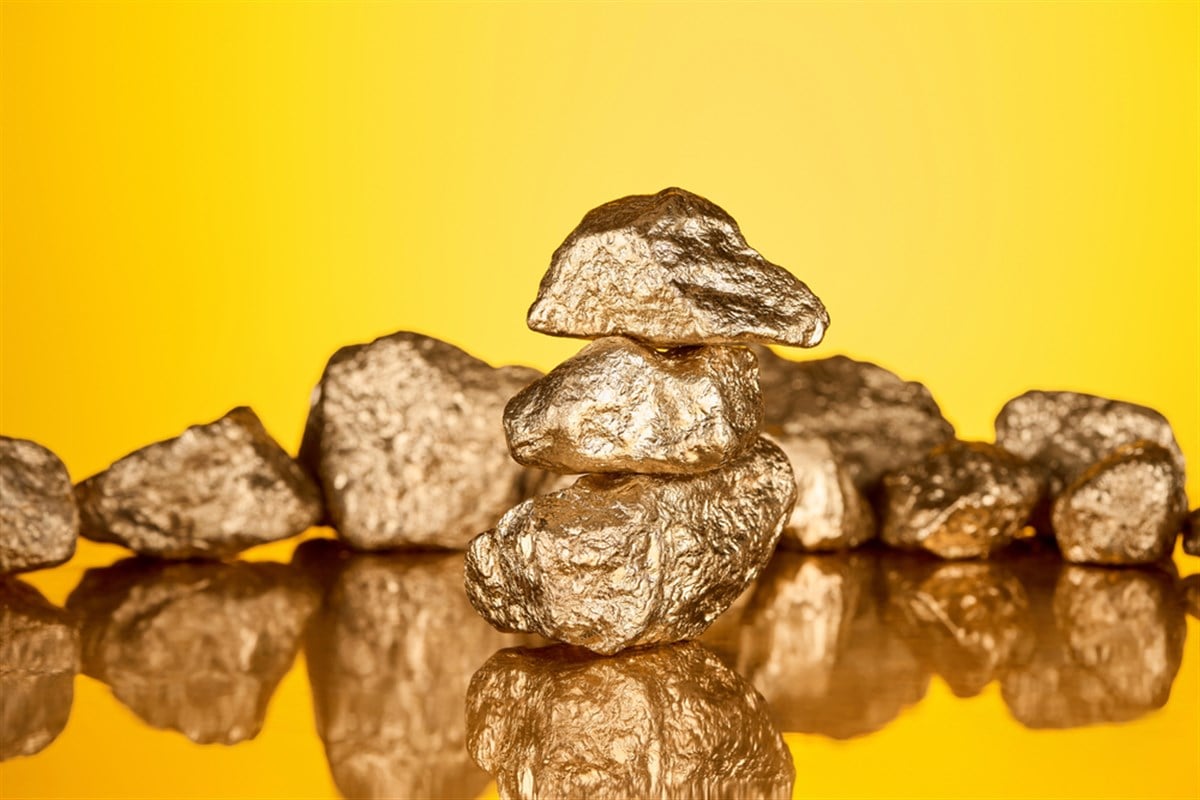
{"x":197,"y":647}
{"x":39,"y":657}
{"x":390,"y":656}
{"x":662,"y":723}
{"x":626,"y":560}
{"x":874,"y":420}
{"x":38,"y":519}
{"x":211,"y":492}
{"x":815,"y":643}
{"x":619,"y":406}
{"x":1126,"y":508}
{"x":963,"y":500}
{"x":1191,"y":533}
{"x":1066,"y":432}
{"x":1110,"y":653}
{"x":405,"y":434}
{"x":967,"y":621}
{"x":830,"y":512}
{"x":671,"y":269}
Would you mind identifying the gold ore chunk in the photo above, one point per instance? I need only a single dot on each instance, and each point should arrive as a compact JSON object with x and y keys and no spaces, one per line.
{"x":619,"y":406}
{"x":405,"y":436}
{"x":626,"y":560}
{"x":671,"y":269}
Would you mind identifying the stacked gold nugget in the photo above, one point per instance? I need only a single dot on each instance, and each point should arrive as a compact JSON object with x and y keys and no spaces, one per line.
{"x":683,"y":502}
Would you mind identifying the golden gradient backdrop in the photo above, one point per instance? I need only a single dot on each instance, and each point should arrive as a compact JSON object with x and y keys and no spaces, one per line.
{"x":201,"y":202}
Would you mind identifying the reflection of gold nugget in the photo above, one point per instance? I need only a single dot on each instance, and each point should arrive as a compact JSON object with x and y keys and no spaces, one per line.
{"x":389,"y":656}
{"x":39,"y":656}
{"x":194,"y":646}
{"x":668,"y":722}
{"x":815,"y":642}
{"x":1110,"y":642}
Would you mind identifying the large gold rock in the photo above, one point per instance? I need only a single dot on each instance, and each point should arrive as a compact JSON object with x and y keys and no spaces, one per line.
{"x":405,"y":435}
{"x":1126,"y":508}
{"x":197,"y":647}
{"x":662,"y":723}
{"x":619,"y":561}
{"x":815,"y":642}
{"x":874,"y":420}
{"x":619,"y":406}
{"x":39,"y":657}
{"x":38,"y":519}
{"x":1110,"y":643}
{"x":830,"y":512}
{"x":1067,"y":432}
{"x":963,"y":500}
{"x":671,"y":269}
{"x":211,"y":492}
{"x":390,"y":656}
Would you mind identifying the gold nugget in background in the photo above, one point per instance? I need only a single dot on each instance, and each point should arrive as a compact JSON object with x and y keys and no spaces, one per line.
{"x":404,"y":436}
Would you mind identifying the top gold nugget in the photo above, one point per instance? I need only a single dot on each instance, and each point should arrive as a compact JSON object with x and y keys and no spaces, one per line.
{"x":671,"y":269}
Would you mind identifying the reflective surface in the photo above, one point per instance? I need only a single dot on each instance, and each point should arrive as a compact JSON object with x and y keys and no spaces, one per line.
{"x":311,"y":671}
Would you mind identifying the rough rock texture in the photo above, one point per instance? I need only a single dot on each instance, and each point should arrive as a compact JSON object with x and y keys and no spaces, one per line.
{"x":663,"y":723}
{"x":209,"y":493}
{"x":1126,"y":508}
{"x":619,"y":406}
{"x":197,"y":647}
{"x":967,"y":621}
{"x":830,"y":512}
{"x":815,"y":643}
{"x":405,"y":435}
{"x":39,"y":657}
{"x":620,"y":561}
{"x":389,"y":657}
{"x":669,"y":269}
{"x":874,"y":420}
{"x":1066,"y":432}
{"x":38,"y":519}
{"x":963,"y":500}
{"x":1191,"y":533}
{"x":1110,"y":643}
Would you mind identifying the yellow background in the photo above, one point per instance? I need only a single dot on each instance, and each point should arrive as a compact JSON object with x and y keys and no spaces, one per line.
{"x":202,"y":202}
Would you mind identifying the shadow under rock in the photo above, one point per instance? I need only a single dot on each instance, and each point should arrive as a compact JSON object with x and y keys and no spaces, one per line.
{"x":196,"y":647}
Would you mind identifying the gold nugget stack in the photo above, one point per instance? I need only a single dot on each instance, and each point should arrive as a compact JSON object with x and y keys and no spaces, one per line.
{"x":681,"y":501}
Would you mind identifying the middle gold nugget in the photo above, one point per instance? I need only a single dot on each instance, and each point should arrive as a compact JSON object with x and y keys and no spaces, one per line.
{"x":687,"y":501}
